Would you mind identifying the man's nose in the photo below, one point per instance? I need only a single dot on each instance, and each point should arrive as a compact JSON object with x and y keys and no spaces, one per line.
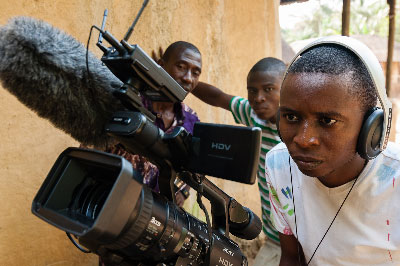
{"x":188,"y":77}
{"x":260,"y":97}
{"x":307,"y":136}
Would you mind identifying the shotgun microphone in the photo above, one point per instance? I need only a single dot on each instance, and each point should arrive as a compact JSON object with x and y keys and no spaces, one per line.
{"x":46,"y":70}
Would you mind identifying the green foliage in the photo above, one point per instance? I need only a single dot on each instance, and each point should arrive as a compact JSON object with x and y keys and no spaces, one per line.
{"x":368,"y":17}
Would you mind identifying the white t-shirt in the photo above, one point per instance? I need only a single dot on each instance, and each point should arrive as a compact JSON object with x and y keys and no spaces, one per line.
{"x":367,"y":228}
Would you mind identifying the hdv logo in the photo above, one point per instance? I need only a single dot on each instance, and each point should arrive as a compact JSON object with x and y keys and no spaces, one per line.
{"x":220,"y":146}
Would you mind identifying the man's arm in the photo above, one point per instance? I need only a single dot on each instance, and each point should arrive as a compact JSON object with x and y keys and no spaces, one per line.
{"x":292,"y":252}
{"x":212,"y":95}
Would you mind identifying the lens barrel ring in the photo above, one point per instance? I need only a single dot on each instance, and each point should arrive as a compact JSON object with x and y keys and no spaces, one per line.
{"x":195,"y":250}
{"x":138,"y":226}
{"x":169,"y":230}
{"x":191,"y":248}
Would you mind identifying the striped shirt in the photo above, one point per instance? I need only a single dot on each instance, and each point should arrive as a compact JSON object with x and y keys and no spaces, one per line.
{"x":244,"y":114}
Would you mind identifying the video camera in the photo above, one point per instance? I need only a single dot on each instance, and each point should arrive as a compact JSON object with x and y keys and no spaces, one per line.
{"x":101,"y":200}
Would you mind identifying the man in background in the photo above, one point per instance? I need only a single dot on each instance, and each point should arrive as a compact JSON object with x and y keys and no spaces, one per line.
{"x":259,"y":110}
{"x":182,"y":61}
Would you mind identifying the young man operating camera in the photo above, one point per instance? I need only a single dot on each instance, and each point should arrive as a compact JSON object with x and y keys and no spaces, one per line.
{"x":333,"y":194}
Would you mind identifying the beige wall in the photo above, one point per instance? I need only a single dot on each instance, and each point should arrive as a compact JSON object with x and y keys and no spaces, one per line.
{"x":231,"y":35}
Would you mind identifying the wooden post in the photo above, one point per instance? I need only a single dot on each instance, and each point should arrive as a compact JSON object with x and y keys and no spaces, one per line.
{"x":392,"y":28}
{"x":346,"y":18}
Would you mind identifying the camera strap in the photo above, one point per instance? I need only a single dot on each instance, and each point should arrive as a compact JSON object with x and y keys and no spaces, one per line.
{"x":200,"y":179}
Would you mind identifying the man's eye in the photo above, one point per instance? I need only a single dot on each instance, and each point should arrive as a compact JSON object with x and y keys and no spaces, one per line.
{"x":328,"y":121}
{"x":268,"y":89}
{"x":291,"y":117}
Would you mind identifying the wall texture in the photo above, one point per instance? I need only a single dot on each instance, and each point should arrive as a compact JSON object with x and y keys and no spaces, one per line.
{"x":231,"y":35}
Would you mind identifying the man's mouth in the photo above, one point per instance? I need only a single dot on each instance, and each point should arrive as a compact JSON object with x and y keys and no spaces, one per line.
{"x":258,"y":109}
{"x":307,"y":163}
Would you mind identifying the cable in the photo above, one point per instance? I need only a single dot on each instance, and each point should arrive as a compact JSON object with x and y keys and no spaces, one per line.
{"x":89,"y":75}
{"x":87,"y":52}
{"x":76,"y":244}
{"x":199,"y":195}
{"x":348,"y":193}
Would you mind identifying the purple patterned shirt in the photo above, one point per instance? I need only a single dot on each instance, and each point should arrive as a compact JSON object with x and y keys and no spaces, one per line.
{"x":184,"y":116}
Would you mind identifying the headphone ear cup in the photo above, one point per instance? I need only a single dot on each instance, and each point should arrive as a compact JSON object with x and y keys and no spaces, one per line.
{"x":368,"y":144}
{"x":278,"y":117}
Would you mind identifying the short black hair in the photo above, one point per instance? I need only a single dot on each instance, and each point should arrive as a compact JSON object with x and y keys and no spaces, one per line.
{"x":178,"y":45}
{"x":337,"y":60}
{"x":269,"y":64}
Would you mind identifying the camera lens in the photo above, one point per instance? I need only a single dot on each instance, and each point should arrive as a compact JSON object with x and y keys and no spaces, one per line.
{"x":92,"y":201}
{"x":88,"y":199}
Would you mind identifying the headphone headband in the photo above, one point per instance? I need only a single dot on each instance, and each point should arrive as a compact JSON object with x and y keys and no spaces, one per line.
{"x":374,"y":68}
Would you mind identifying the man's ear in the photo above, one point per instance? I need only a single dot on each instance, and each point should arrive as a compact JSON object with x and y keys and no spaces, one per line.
{"x":160,"y":62}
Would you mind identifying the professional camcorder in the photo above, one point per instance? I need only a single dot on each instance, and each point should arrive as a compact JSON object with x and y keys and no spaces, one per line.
{"x":100,"y":199}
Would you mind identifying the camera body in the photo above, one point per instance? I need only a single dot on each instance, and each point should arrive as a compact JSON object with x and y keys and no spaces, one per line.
{"x":101,"y":200}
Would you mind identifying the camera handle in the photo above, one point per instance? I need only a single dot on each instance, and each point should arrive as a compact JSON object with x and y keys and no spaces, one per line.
{"x":225,"y":211}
